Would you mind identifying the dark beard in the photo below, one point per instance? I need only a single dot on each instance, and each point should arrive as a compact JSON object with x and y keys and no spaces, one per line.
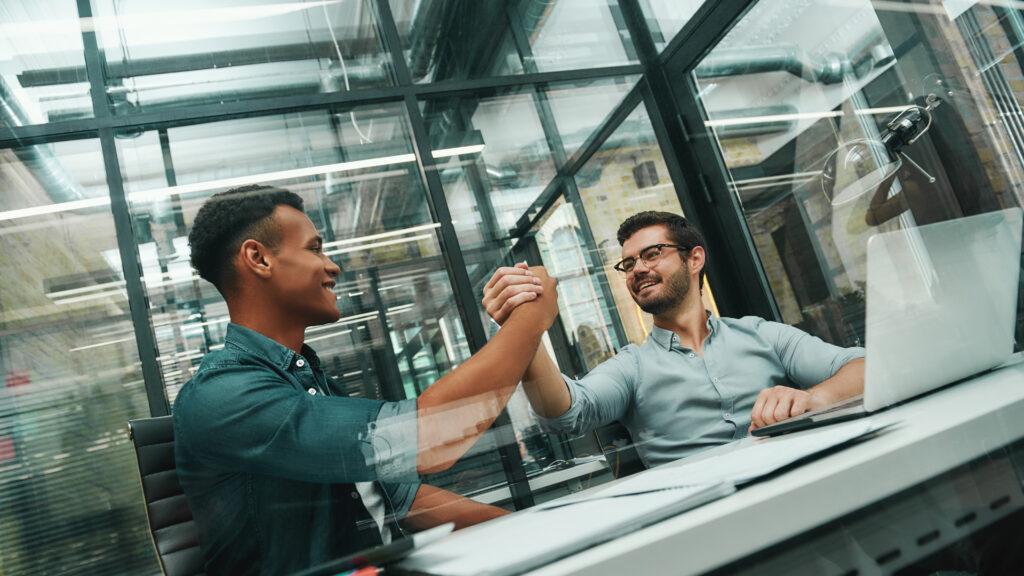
{"x":678,"y":285}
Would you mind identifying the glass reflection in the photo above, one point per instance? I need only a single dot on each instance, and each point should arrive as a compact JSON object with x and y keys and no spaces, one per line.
{"x":573,"y":34}
{"x":364,"y":196}
{"x":72,"y":375}
{"x":585,"y":314}
{"x":625,"y":176}
{"x":830,"y":138}
{"x":580,"y":108}
{"x":667,"y":17}
{"x":448,"y":40}
{"x":43,"y":77}
{"x":507,"y":165}
{"x":192,"y":53}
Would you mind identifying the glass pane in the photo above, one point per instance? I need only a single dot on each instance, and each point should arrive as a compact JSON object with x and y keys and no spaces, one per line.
{"x":627,"y":175}
{"x":43,"y":74}
{"x":452,"y":40}
{"x":493,"y":158}
{"x":400,"y":328}
{"x":365,"y":198}
{"x":574,"y":34}
{"x":72,"y":376}
{"x":584,"y":310}
{"x":581,"y":108}
{"x":161,"y":55}
{"x":829,"y":137}
{"x":667,"y":17}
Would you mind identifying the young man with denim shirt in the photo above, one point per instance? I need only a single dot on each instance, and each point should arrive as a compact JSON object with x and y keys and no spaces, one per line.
{"x":281,"y":468}
{"x":698,"y":381}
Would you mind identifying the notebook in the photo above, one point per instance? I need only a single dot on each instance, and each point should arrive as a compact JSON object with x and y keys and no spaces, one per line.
{"x":941,"y":306}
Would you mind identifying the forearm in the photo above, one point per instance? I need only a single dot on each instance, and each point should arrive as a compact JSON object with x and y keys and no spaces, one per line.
{"x":459,"y":407}
{"x":848,"y":381}
{"x":434,"y":506}
{"x":544,"y":386}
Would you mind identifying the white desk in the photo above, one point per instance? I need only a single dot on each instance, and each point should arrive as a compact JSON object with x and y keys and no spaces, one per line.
{"x":545,"y":481}
{"x":932,"y":436}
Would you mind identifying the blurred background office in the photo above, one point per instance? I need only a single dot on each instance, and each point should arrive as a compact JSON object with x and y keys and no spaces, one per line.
{"x":433,"y":141}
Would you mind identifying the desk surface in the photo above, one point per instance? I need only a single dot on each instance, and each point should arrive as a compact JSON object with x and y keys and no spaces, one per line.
{"x":929,"y":436}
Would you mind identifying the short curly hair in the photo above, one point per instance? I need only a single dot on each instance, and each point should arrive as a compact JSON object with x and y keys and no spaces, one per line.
{"x":679,"y":231}
{"x":229,"y":218}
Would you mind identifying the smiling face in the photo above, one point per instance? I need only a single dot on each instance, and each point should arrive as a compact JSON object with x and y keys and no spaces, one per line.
{"x":663,"y":286}
{"x":303,"y":277}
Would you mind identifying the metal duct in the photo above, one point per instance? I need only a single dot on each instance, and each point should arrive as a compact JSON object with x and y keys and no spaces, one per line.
{"x":55,"y":180}
{"x":872,"y":52}
{"x":118,"y":70}
{"x":786,"y":58}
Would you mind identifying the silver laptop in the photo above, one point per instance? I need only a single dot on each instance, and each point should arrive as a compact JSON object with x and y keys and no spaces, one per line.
{"x":941,"y":306}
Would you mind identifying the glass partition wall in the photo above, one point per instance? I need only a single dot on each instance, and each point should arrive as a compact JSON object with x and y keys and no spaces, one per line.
{"x":426,"y":138}
{"x":434,"y":141}
{"x":836,"y":121}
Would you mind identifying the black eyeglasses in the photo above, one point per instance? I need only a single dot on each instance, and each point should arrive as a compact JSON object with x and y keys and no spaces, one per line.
{"x":649,"y":255}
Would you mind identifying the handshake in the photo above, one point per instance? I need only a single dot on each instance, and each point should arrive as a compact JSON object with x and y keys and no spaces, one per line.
{"x":522,"y":290}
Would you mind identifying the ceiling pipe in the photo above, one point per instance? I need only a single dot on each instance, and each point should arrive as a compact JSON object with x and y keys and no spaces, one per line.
{"x":831,"y":68}
{"x":39,"y":159}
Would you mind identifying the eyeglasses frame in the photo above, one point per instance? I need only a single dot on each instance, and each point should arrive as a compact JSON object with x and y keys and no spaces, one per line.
{"x":618,"y":265}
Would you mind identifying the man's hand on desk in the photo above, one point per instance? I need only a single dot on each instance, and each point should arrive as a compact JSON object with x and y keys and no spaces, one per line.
{"x":780,"y":402}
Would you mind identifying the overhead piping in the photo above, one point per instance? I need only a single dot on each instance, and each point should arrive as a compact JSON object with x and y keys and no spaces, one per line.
{"x":52,"y":176}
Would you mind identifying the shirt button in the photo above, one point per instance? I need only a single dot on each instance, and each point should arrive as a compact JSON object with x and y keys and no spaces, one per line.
{"x":692,"y":355}
{"x":300,"y":362}
{"x":715,"y":379}
{"x":312,"y":391}
{"x":355,"y":495}
{"x":728,"y":416}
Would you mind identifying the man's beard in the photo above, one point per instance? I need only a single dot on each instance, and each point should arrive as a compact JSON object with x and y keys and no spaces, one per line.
{"x":677,"y":286}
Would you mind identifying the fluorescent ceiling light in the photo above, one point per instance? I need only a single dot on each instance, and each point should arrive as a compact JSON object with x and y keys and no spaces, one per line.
{"x":110,"y":294}
{"x":457,"y":151}
{"x":160,"y":193}
{"x":372,"y":237}
{"x":377,"y":245}
{"x":744,"y":121}
{"x":89,"y":346}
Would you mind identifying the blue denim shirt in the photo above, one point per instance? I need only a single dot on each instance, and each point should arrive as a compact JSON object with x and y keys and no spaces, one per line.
{"x":268,"y":448}
{"x":675,"y":402}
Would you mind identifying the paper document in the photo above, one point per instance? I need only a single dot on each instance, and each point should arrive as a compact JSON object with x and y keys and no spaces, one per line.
{"x":758,"y":458}
{"x":537,"y":536}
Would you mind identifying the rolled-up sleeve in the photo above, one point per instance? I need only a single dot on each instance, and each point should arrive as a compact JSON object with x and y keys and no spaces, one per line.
{"x":598,"y":398}
{"x":393,"y":441}
{"x":808,"y":360}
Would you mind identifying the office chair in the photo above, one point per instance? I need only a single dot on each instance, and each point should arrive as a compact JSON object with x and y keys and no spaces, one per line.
{"x":170,"y":519}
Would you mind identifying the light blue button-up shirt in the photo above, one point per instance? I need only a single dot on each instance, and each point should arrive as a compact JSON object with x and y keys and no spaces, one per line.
{"x":675,"y":402}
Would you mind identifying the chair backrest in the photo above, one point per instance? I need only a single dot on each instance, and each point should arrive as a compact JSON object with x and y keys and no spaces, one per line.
{"x":170,"y":519}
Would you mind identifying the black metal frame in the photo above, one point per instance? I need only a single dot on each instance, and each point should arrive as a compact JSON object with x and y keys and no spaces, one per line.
{"x":665,"y":90}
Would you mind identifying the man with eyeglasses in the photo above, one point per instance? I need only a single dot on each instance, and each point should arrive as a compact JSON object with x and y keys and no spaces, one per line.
{"x":699,"y":380}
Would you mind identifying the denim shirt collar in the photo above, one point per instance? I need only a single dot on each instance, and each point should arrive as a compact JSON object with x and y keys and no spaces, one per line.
{"x":252,"y":342}
{"x":663,"y":338}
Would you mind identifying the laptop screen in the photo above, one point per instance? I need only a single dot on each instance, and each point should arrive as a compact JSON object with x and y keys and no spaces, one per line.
{"x":941,"y":304}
